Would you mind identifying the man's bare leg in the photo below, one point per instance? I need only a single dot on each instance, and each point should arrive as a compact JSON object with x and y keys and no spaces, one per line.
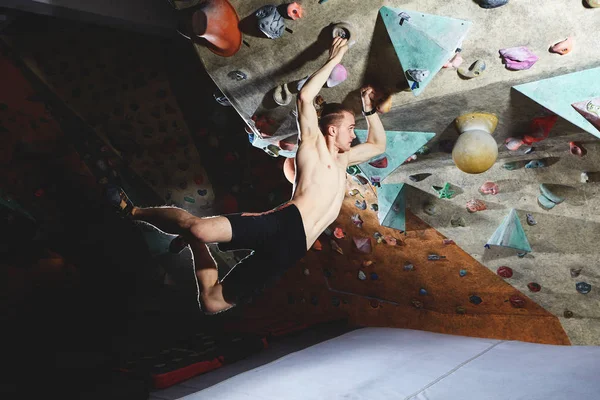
{"x":176,"y":221}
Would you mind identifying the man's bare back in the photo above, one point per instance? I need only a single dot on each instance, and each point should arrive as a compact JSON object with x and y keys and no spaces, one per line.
{"x":322,"y":157}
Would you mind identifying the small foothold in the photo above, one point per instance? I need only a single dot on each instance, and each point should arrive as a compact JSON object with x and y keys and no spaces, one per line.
{"x":363,"y":244}
{"x":462,"y":273}
{"x":444,"y":192}
{"x":563,"y":47}
{"x":475,"y":299}
{"x":295,"y":11}
{"x":460,"y":310}
{"x":517,"y":301}
{"x":404,"y":17}
{"x":361,"y":205}
{"x":392,"y":241}
{"x":505,"y":272}
{"x":476,"y":69}
{"x":374,"y":303}
{"x":336,"y":247}
{"x":362,"y":276}
{"x":435,"y":257}
{"x":529,"y":150}
{"x":416,"y":303}
{"x":447,"y":242}
{"x":408,"y":267}
{"x":518,"y":58}
{"x":423,"y":292}
{"x":317,"y":246}
{"x":492,"y":3}
{"x":489,"y":188}
{"x":419,"y":177}
{"x":367,"y":263}
{"x":374,"y":207}
{"x":357,"y":220}
{"x":417,"y":75}
{"x":475,"y":205}
{"x":306,"y":272}
{"x":338,"y":75}
{"x":361,"y":180}
{"x":327,"y":273}
{"x":511,"y":166}
{"x":282,"y":95}
{"x":379,"y":163}
{"x":568,"y":314}
{"x":237,"y":75}
{"x":584,"y":178}
{"x":535,"y":164}
{"x":455,"y":61}
{"x":530,"y":220}
{"x":429,"y":209}
{"x":575,"y":272}
{"x":459,"y":221}
{"x":335,"y":301}
{"x":583,"y":287}
{"x":339,"y":233}
{"x":374,"y":276}
{"x":577,"y":149}
{"x":534,"y":287}
{"x":521,"y":255}
{"x":354,"y":192}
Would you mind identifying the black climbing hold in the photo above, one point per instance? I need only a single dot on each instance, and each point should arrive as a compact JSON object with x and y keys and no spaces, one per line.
{"x":475,"y":299}
{"x":419,"y":177}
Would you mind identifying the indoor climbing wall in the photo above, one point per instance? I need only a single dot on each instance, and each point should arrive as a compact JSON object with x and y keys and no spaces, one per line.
{"x":509,"y":92}
{"x":118,"y":84}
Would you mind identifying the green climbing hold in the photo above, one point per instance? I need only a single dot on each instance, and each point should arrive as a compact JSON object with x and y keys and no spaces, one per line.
{"x":444,"y":192}
{"x":189,"y":199}
{"x":352,"y":170}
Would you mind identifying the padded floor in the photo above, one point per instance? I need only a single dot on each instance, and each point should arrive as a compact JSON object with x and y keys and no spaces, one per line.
{"x":387,"y":363}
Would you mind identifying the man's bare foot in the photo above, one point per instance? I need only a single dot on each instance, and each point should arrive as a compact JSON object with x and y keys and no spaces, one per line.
{"x":213,"y":301}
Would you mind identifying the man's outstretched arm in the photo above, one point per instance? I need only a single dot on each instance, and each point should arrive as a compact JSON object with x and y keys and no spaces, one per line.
{"x":376,"y":139}
{"x":308,"y":123}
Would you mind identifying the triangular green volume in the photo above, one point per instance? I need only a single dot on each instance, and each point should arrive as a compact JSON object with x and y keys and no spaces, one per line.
{"x":392,"y":206}
{"x":558,"y":94}
{"x":510,"y":233}
{"x":399,"y":146}
{"x":423,"y":41}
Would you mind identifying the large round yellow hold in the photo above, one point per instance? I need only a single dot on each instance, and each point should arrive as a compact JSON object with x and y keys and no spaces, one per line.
{"x":475,"y":150}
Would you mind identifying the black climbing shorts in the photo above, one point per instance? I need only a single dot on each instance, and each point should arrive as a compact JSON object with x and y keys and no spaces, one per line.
{"x":277,"y":241}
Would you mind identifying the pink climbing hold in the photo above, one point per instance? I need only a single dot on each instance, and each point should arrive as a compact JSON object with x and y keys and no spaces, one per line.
{"x":454,"y":62}
{"x":339,"y":233}
{"x":337,"y":76}
{"x":513,"y":144}
{"x":563,"y":47}
{"x":518,"y":58}
{"x":576,"y":149}
{"x":489,"y":188}
{"x":475,"y":205}
{"x":295,"y":11}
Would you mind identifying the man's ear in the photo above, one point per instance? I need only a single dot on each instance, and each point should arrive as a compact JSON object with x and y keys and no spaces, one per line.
{"x":332,"y":130}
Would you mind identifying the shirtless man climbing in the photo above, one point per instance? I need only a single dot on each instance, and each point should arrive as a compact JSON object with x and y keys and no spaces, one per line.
{"x":281,"y":237}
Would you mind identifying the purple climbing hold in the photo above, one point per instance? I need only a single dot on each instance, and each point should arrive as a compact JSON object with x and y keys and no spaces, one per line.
{"x":518,"y":58}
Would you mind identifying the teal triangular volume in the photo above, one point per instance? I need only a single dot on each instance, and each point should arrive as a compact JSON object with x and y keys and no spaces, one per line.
{"x":510,"y":233}
{"x":399,"y":146}
{"x":392,"y":206}
{"x":558,"y":94}
{"x":423,"y":41}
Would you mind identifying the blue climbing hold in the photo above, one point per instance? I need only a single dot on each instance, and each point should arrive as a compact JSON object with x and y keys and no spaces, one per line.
{"x":475,"y":299}
{"x":583,"y":287}
{"x":374,"y":276}
{"x":462,"y":272}
{"x":423,"y":292}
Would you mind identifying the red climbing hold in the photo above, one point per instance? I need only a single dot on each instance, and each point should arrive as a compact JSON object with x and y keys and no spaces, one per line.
{"x":505,"y":272}
{"x":381,"y":163}
{"x":517,"y":301}
{"x":534,"y":287}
